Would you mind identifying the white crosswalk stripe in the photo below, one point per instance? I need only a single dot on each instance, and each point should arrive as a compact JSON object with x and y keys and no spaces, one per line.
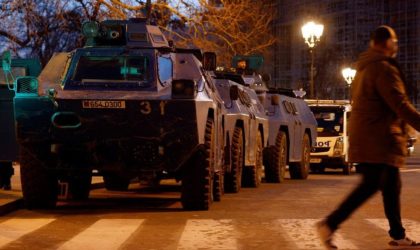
{"x":104,"y":234}
{"x":13,"y":229}
{"x":208,"y":234}
{"x":411,"y":227}
{"x":409,"y":170}
{"x":303,"y":233}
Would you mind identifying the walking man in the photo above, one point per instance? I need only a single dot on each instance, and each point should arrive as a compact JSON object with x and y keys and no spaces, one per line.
{"x":378,"y":135}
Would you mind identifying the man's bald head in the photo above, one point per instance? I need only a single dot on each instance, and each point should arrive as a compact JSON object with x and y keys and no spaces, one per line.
{"x":385,"y":39}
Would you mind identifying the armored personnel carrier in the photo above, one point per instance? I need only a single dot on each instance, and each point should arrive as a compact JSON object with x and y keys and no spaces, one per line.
{"x":245,"y":127}
{"x":292,"y":136}
{"x":126,"y":105}
{"x":11,"y":68}
{"x":292,"y":126}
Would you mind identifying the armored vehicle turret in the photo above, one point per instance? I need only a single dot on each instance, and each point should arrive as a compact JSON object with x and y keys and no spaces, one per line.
{"x":292,"y":126}
{"x":126,"y":105}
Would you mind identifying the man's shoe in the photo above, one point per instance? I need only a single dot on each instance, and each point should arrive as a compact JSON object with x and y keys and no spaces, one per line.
{"x":325,"y":234}
{"x":404,"y":243}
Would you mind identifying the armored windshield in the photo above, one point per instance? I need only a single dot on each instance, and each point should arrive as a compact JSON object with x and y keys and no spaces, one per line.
{"x":330,"y":120}
{"x":115,"y":72}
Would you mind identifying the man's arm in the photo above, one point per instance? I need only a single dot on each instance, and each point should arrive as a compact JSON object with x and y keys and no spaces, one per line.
{"x":391,"y":87}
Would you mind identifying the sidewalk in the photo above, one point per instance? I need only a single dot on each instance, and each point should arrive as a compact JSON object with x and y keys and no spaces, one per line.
{"x":12,"y":200}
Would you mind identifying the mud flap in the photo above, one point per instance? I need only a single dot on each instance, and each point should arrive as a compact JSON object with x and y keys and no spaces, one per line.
{"x":63,"y":190}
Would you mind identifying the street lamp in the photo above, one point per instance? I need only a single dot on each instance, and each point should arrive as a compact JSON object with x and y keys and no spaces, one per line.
{"x":348,"y":74}
{"x":312,"y":33}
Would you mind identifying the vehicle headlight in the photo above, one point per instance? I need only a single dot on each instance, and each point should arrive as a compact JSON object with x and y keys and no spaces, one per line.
{"x":339,"y":146}
{"x":183,"y":89}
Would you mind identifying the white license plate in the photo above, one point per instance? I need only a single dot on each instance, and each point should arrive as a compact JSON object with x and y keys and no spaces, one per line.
{"x":101,"y":104}
{"x":315,"y":160}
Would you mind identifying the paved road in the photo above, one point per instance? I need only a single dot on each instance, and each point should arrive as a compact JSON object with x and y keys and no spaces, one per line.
{"x":274,"y":216}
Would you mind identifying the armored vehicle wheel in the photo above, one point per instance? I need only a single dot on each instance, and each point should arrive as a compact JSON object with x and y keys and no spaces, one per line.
{"x":346,"y":168}
{"x":277,"y":160}
{"x":218,"y":188}
{"x":300,"y":170}
{"x":79,"y":186}
{"x":114,"y":182}
{"x":252,"y":175}
{"x":197,"y":182}
{"x":233,"y":178}
{"x":39,"y":186}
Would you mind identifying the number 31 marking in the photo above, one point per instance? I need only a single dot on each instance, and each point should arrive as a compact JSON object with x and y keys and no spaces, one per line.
{"x":145,"y":108}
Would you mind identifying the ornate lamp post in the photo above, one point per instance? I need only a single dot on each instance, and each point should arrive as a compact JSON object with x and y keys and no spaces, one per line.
{"x":312,"y":33}
{"x":348,"y":74}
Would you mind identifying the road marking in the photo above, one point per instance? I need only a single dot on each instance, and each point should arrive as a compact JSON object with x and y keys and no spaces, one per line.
{"x":13,"y":229}
{"x":104,"y":234}
{"x":408,"y":170}
{"x":411,"y":227}
{"x":208,"y":234}
{"x":303,"y":233}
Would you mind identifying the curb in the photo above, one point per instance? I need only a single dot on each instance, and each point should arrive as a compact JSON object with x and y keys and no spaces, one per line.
{"x":11,"y":206}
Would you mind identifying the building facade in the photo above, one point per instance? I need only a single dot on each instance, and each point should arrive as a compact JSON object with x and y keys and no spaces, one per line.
{"x":347,"y":28}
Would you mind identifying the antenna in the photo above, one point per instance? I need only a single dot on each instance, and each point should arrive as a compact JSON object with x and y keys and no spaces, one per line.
{"x":148,"y":11}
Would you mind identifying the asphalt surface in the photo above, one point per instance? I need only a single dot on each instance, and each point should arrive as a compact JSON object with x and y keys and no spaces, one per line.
{"x":11,"y":200}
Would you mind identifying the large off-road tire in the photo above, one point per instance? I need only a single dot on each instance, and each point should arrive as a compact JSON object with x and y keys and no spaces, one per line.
{"x":218,"y":186}
{"x":300,"y":170}
{"x":347,"y":168}
{"x":252,"y":175}
{"x":39,"y":185}
{"x":197,"y":182}
{"x":233,"y":179}
{"x":79,"y":186}
{"x":114,"y":182}
{"x":277,"y":160}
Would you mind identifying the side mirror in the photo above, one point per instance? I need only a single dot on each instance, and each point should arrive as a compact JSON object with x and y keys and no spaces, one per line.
{"x":234,"y":92}
{"x":275,"y":100}
{"x":6,"y":62}
{"x":209,"y":61}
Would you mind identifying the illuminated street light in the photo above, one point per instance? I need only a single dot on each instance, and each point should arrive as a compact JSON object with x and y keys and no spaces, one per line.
{"x":348,"y":74}
{"x":312,"y":33}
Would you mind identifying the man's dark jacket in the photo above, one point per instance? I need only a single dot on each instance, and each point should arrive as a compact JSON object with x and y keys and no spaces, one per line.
{"x":381,"y":110}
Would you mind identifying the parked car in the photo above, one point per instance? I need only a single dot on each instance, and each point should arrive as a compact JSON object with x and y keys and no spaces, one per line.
{"x":332,"y":140}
